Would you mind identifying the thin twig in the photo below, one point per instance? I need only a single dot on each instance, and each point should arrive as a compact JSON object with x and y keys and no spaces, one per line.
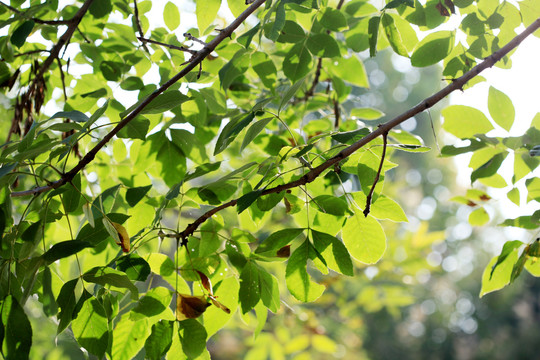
{"x":62,"y":77}
{"x":376,"y":180}
{"x":180,"y":48}
{"x":139,"y":27}
{"x":193,"y":38}
{"x":336,"y":114}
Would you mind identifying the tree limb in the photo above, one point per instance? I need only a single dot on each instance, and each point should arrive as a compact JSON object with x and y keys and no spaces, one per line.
{"x":195,"y":61}
{"x":427,"y":103}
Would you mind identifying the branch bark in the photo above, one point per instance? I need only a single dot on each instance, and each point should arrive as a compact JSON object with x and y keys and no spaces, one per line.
{"x":194,"y":62}
{"x":427,"y":103}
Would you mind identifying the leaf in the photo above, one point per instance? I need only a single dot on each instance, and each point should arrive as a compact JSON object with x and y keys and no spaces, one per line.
{"x":269,"y":291}
{"x":393,"y":35}
{"x":226,"y":291}
{"x":250,"y":288}
{"x":16,"y":330}
{"x":387,"y":209}
{"x":478,"y":217}
{"x":489,"y":168}
{"x":192,"y":337}
{"x":90,"y":327}
{"x":231,"y":130}
{"x":206,"y":11}
{"x":501,"y":108}
{"x":497,"y":273}
{"x":298,"y":281}
{"x":334,"y":252}
{"x":100,"y":8}
{"x":254,"y":130}
{"x":123,"y":237}
{"x":135,"y":194}
{"x":166,"y":101}
{"x":107,"y":276}
{"x":373,"y":31}
{"x":465,"y":121}
{"x":74,"y":115}
{"x":132,"y":83}
{"x":50,"y":307}
{"x":288,"y":95}
{"x":171,"y":16}
{"x":190,"y":307}
{"x":66,"y":300}
{"x":330,"y":205}
{"x":128,"y":338}
{"x":364,"y":238}
{"x":159,"y":341}
{"x":135,"y":267}
{"x":72,"y":197}
{"x":297,"y":63}
{"x":333,"y":19}
{"x":18,"y":38}
{"x":135,"y":129}
{"x":278,"y":240}
{"x":247,"y":199}
{"x":64,"y":249}
{"x":433,"y":48}
{"x":323,"y":45}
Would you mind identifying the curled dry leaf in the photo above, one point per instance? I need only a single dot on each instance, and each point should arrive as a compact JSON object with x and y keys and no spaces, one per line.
{"x":190,"y":307}
{"x":442,"y":10}
{"x":205,"y":281}
{"x":219,"y":305}
{"x":125,"y":244}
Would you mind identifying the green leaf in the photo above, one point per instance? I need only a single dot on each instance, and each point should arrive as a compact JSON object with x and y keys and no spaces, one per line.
{"x":135,"y":194}
{"x":278,"y":240}
{"x":393,"y":35}
{"x":433,"y":48}
{"x":525,"y":222}
{"x":373,"y":31}
{"x":192,"y":337}
{"x":269,"y":291}
{"x":107,"y":276}
{"x":250,"y":287}
{"x":72,"y":115}
{"x":498,"y":273}
{"x":351,"y":70}
{"x":465,"y":121}
{"x":33,"y":233}
{"x":297,"y":63}
{"x":206,"y":11}
{"x":323,"y":45}
{"x":90,"y":327}
{"x":288,"y":95}
{"x":72,"y":196}
{"x":18,"y":38}
{"x":166,"y":101}
{"x":501,"y":108}
{"x":50,"y":307}
{"x":235,"y":68}
{"x":128,"y":338}
{"x":334,"y":252}
{"x":173,"y":163}
{"x":132,"y":83}
{"x":160,"y":340}
{"x":226,"y":291}
{"x":489,"y":168}
{"x":364,"y":238}
{"x":100,"y":8}
{"x":333,"y":19}
{"x":171,"y":15}
{"x":135,"y":267}
{"x":231,"y":130}
{"x":64,"y":249}
{"x":16,"y":330}
{"x":330,"y":205}
{"x":247,"y":199}
{"x":478,"y":217}
{"x":254,"y":130}
{"x":298,"y":281}
{"x":291,"y":32}
{"x":66,"y":300}
{"x":385,"y":208}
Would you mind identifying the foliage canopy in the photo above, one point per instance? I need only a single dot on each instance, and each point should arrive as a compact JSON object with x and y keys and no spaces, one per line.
{"x":145,"y":170}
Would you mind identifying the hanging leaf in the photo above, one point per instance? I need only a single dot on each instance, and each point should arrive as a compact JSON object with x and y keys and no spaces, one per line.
{"x":190,"y":307}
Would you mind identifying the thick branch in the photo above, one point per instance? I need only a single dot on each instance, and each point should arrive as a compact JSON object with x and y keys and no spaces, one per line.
{"x":457,"y":84}
{"x":195,"y":61}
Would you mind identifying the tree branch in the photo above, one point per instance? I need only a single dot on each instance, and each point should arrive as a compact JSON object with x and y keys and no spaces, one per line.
{"x":197,"y":59}
{"x":138,"y":23}
{"x":39,"y":21}
{"x":376,"y":180}
{"x":427,"y":103}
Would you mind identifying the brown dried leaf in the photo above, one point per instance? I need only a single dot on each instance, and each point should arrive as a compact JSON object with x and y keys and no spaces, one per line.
{"x":220,"y":305}
{"x":442,"y":10}
{"x":190,"y":307}
{"x":450,"y":5}
{"x":125,"y":244}
{"x":205,"y":281}
{"x":284,"y":252}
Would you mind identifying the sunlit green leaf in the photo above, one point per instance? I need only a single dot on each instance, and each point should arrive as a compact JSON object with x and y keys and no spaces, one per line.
{"x":364,"y":238}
